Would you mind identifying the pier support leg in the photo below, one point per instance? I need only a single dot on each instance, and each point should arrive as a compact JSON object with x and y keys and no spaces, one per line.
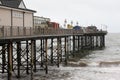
{"x":103,"y":40}
{"x":34,"y":42}
{"x":73,"y":46}
{"x":42,"y":50}
{"x":81,"y":42}
{"x":3,"y":58}
{"x":68,"y":46}
{"x":60,"y":48}
{"x":66,"y":51}
{"x":27,"y":60}
{"x":18,"y":59}
{"x":58,"y":51}
{"x":85,"y":41}
{"x":96,"y":41}
{"x":9,"y":47}
{"x":52,"y":51}
{"x":78,"y":43}
{"x":92,"y":37}
{"x":46,"y":58}
{"x":32,"y":57}
{"x":91,"y":42}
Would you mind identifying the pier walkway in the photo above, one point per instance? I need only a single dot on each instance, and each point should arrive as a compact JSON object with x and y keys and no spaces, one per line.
{"x":26,"y":50}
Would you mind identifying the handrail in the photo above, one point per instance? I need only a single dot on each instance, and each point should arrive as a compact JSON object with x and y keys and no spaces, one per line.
{"x":30,"y":31}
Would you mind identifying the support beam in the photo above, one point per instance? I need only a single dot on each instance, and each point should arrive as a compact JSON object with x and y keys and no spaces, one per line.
{"x":51,"y":51}
{"x":42,"y":44}
{"x":3,"y":58}
{"x":82,"y":42}
{"x":103,"y":40}
{"x":32,"y":57}
{"x":18,"y":59}
{"x":78,"y":43}
{"x":92,"y":41}
{"x":34,"y":46}
{"x":27,"y":56}
{"x":96,"y":41}
{"x":73,"y":46}
{"x":65,"y":50}
{"x":46,"y":56}
{"x":58,"y":51}
{"x":9,"y":47}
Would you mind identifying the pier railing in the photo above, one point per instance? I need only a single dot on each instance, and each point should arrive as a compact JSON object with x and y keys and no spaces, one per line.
{"x":30,"y":31}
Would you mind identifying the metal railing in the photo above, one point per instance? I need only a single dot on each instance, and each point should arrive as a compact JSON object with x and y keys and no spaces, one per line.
{"x":30,"y":31}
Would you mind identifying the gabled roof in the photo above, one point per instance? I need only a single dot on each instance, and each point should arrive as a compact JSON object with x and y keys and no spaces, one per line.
{"x":22,"y":5}
{"x":11,"y":3}
{"x":18,"y":4}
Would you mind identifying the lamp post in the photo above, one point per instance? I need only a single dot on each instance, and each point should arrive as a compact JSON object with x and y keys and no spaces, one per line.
{"x":65,"y":22}
{"x":71,"y":23}
{"x":77,"y":23}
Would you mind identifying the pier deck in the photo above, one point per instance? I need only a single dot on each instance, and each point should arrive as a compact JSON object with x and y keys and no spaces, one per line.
{"x":26,"y":50}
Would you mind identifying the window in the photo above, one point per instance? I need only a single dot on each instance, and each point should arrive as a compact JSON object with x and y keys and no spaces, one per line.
{"x":22,"y":5}
{"x":17,"y":15}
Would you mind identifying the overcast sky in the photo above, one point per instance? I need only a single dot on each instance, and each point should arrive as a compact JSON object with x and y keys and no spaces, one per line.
{"x":85,"y":12}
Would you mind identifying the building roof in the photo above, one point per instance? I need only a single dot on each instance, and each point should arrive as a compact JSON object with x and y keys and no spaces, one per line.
{"x":11,"y":3}
{"x":18,"y":4}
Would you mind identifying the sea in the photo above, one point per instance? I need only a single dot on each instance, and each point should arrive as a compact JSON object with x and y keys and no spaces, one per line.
{"x":101,"y":65}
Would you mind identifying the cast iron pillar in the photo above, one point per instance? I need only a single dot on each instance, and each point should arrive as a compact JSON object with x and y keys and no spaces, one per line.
{"x":18,"y":59}
{"x":9,"y":47}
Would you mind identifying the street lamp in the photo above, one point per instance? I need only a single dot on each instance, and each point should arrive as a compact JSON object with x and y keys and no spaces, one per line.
{"x":71,"y":23}
{"x":65,"y":22}
{"x":77,"y":23}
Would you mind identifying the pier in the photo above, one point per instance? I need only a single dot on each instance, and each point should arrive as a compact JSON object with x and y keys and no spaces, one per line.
{"x":27,"y":50}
